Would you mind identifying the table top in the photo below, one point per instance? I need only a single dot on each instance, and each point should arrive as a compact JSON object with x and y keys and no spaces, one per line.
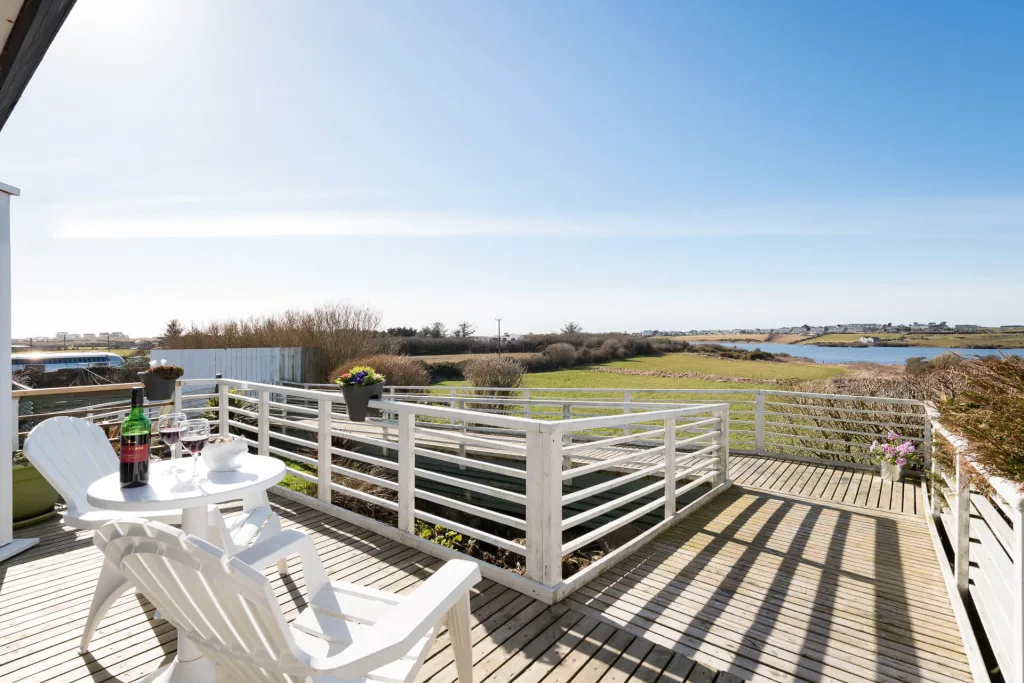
{"x":168,"y":491}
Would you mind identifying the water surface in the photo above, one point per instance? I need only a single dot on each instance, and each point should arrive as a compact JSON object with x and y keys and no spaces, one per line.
{"x":884,"y":355}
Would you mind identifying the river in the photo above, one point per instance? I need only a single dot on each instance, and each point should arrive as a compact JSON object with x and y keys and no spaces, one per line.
{"x":884,"y":355}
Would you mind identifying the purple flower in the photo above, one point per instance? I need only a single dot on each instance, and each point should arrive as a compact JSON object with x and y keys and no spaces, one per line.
{"x":892,"y":436}
{"x":901,"y":461}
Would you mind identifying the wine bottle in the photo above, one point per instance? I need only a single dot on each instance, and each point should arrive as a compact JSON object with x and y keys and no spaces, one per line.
{"x":134,"y":454}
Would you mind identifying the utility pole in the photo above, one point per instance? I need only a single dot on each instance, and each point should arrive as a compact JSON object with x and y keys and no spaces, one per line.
{"x":108,"y":341}
{"x":499,"y":336}
{"x":65,"y":342}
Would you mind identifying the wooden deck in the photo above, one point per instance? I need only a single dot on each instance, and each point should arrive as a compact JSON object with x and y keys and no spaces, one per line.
{"x":834,"y":483}
{"x":757,"y":585}
{"x":777,"y":588}
{"x":45,"y":594}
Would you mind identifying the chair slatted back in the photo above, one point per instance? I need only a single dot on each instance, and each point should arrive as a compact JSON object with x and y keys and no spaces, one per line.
{"x":227,"y":608}
{"x":71,"y":453}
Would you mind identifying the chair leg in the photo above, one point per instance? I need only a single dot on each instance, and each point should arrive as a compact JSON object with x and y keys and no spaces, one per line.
{"x":457,"y":622}
{"x":273,"y":526}
{"x":109,"y":588}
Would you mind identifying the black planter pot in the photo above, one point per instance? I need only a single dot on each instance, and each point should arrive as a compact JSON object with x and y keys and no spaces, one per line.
{"x":357,"y":397}
{"x":157,"y":388}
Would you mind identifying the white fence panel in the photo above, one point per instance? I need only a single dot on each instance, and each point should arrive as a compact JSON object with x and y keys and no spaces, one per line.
{"x":263,"y":365}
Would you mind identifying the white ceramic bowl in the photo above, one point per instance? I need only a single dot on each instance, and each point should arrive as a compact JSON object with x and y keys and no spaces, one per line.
{"x":224,"y":456}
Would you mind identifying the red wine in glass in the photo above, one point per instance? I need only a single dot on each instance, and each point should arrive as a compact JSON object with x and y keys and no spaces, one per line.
{"x":171,"y":435}
{"x":194,"y":444}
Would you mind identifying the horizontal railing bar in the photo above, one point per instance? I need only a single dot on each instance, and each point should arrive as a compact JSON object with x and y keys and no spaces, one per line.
{"x":610,"y":462}
{"x":843,"y":409}
{"x":856,"y":456}
{"x":790,"y":425}
{"x":604,"y":530}
{"x":365,"y":497}
{"x":365,"y":478}
{"x":695,"y":483}
{"x":469,"y":462}
{"x":474,"y":440}
{"x":583,"y":494}
{"x":599,"y":510}
{"x":471,"y":509}
{"x":242,"y":425}
{"x":368,"y":459}
{"x":484,"y":489}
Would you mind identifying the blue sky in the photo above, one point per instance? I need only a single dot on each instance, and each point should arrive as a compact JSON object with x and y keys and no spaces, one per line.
{"x":623,"y":165}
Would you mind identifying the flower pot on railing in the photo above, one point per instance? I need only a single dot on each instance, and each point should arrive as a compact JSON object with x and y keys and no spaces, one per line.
{"x":357,"y":399}
{"x":157,"y":388}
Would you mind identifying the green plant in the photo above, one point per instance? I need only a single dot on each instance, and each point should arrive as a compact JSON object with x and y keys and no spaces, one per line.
{"x":360,"y":376}
{"x":442,"y":536}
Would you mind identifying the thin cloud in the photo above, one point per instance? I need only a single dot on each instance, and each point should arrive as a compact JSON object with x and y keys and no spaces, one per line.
{"x":941,"y":218}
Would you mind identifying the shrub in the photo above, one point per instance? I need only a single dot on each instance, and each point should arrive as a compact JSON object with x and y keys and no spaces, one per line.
{"x":612,"y":348}
{"x":442,"y":370}
{"x":397,"y":370}
{"x":339,"y":332}
{"x":494,"y":371}
{"x":988,"y":411}
{"x":563,"y":355}
{"x":537,"y":362}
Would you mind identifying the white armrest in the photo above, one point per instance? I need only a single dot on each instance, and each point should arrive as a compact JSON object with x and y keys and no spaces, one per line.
{"x":396,"y":633}
{"x":289,"y":542}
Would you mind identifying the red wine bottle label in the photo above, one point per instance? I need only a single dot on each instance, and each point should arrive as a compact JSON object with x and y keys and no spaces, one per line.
{"x":135,"y":448}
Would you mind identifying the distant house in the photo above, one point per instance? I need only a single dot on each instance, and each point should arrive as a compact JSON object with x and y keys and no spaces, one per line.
{"x":920,"y":327}
{"x":869,"y":340}
{"x":968,"y":328}
{"x":816,"y":330}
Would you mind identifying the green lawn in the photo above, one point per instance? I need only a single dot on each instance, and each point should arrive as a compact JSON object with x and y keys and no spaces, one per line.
{"x":726,"y":367}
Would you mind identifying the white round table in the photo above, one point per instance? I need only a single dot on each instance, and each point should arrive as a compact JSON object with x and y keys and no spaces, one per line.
{"x":167,"y":491}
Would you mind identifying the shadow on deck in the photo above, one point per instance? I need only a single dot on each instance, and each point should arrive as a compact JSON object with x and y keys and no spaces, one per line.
{"x":757,"y":585}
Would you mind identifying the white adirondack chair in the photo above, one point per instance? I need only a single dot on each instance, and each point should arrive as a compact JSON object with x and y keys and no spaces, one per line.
{"x":225,"y":607}
{"x":71,"y":453}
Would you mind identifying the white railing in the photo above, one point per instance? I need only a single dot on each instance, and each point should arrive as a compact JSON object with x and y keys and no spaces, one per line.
{"x":985,"y":531}
{"x":531,"y":490}
{"x":762,"y":421}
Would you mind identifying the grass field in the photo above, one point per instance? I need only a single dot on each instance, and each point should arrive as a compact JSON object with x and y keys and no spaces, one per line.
{"x":457,"y":357}
{"x":726,"y":367}
{"x":1003,"y":340}
{"x":679,"y":363}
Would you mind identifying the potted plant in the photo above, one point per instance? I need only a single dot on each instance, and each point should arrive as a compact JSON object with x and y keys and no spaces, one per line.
{"x":358,"y":386}
{"x":159,"y":381}
{"x":892,"y":455}
{"x":34,"y":498}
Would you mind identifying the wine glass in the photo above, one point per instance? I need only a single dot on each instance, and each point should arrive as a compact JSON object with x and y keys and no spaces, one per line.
{"x":170,"y":427}
{"x":194,"y":438}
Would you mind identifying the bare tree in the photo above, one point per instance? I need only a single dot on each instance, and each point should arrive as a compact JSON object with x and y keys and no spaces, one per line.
{"x":572,"y":328}
{"x":464,"y":330}
{"x":435,"y":330}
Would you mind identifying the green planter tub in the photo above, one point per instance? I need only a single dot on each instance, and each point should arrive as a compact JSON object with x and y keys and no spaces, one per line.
{"x":34,"y":498}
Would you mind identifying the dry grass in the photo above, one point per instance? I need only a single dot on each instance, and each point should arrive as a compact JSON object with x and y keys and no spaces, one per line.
{"x":340,"y":332}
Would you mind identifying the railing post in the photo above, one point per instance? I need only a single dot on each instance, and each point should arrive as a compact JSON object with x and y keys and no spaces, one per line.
{"x":527,"y":408}
{"x":263,"y":423}
{"x":15,"y":442}
{"x":723,"y":444}
{"x":1018,"y":595}
{"x":627,"y":398}
{"x":323,"y":466}
{"x":223,"y":414}
{"x":759,"y":422}
{"x":544,"y":506}
{"x":175,"y":450}
{"x":567,"y":432}
{"x":962,"y":526}
{"x":407,"y":471}
{"x":670,"y":468}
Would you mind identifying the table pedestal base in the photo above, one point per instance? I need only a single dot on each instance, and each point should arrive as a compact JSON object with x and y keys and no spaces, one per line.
{"x":197,"y":671}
